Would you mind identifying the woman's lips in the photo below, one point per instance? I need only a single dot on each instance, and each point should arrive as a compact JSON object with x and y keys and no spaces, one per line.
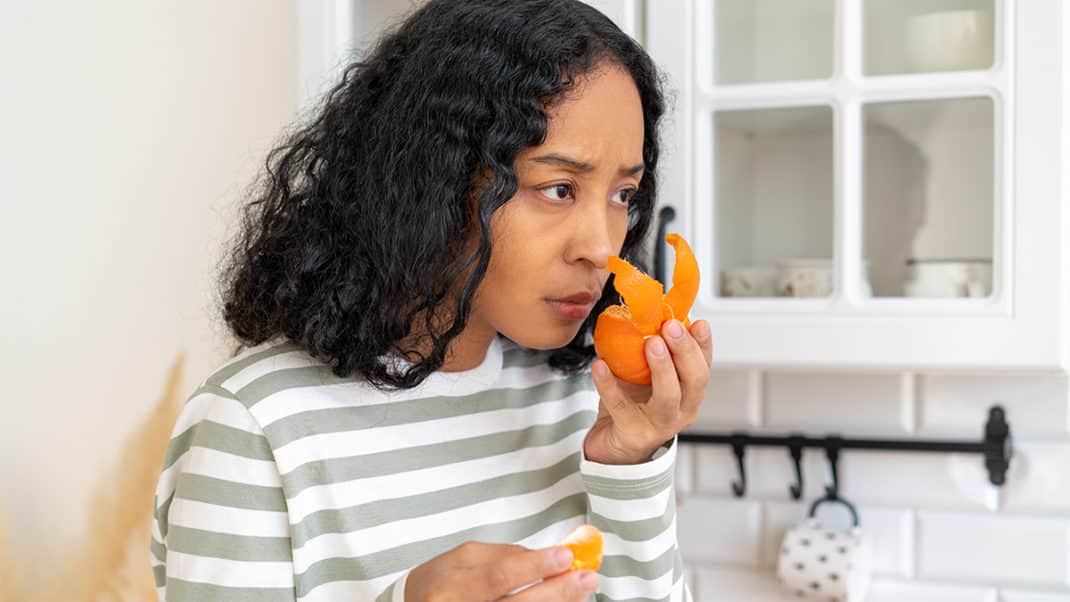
{"x":570,"y":310}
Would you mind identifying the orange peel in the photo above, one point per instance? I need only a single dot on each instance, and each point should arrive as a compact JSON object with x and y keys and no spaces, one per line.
{"x":621,"y":330}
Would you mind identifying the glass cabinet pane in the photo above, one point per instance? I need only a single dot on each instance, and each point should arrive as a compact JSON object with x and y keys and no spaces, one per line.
{"x":774,"y":187}
{"x":928,"y":193}
{"x":773,"y":40}
{"x":922,"y":36}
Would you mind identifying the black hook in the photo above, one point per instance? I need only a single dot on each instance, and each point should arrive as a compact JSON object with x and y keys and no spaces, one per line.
{"x":838,"y":500}
{"x":739,"y":447}
{"x":795,"y":444}
{"x":833,"y":444}
{"x":832,"y":450}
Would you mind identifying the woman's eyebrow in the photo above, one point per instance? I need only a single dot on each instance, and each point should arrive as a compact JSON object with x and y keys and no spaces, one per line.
{"x":580,"y":166}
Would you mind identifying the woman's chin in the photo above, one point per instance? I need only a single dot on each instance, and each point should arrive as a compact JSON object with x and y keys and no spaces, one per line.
{"x":545,"y":336}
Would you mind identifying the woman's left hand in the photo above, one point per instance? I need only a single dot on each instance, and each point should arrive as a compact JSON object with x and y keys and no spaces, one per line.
{"x":635,"y":420}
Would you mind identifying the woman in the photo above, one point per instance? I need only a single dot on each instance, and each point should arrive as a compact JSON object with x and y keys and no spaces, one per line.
{"x":417,"y":413}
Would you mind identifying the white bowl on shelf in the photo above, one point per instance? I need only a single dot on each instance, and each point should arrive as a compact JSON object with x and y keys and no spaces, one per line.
{"x":952,"y":40}
{"x":805,"y":277}
{"x":812,"y":277}
{"x":948,"y":278}
{"x":749,"y":281}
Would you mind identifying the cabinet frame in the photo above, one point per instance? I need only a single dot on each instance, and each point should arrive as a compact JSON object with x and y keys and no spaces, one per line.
{"x":1021,"y":326}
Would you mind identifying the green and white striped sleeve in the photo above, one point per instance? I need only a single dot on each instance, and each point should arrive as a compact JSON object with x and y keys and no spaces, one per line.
{"x":635,"y":507}
{"x":220,"y":526}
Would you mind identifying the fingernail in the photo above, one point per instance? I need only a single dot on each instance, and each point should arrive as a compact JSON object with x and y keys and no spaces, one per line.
{"x":563,"y":558}
{"x":657,"y":347}
{"x":588,"y":580}
{"x":702,"y":331}
{"x":675,"y":329}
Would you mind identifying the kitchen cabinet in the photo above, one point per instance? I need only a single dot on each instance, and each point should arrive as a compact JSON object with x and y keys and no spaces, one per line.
{"x":870,"y":183}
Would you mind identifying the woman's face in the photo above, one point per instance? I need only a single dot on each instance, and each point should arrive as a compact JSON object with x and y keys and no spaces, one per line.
{"x":570,"y":213}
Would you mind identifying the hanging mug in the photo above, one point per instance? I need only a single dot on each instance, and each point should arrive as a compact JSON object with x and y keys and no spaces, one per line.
{"x":821,"y":563}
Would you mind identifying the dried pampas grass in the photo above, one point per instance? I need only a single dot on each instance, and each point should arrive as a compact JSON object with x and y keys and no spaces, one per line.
{"x":112,"y":564}
{"x":10,"y":582}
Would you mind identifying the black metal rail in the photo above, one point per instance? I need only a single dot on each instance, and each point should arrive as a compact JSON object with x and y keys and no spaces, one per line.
{"x":996,"y":446}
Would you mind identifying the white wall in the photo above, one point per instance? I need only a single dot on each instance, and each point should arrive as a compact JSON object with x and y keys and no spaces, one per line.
{"x":129,"y":128}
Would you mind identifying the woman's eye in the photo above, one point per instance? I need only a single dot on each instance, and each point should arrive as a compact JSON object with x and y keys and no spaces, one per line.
{"x":624,"y":197}
{"x":558,"y":192}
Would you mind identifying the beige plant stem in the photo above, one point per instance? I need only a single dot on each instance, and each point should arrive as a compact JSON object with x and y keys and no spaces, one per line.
{"x":112,"y":563}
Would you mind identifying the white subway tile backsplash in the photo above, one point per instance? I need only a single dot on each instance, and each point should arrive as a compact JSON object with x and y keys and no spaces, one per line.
{"x":1024,"y":596}
{"x":891,"y":530}
{"x":684,"y":479}
{"x":690,"y":578}
{"x":717,"y":530}
{"x":916,"y":479}
{"x":731,"y":401}
{"x":723,"y":584}
{"x":1036,"y":405}
{"x":715,"y":468}
{"x":993,"y":549}
{"x":885,"y":590}
{"x":1039,"y":479}
{"x":858,"y":404}
{"x":941,"y":532}
{"x":771,"y":470}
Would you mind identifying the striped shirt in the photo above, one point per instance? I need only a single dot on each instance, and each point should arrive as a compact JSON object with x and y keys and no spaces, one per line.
{"x":283,"y":482}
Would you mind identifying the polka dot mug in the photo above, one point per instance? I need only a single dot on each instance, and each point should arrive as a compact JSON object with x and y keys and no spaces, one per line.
{"x":821,"y":563}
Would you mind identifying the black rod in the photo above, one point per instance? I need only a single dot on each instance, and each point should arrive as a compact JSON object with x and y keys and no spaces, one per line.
{"x":920,"y":445}
{"x":996,"y":446}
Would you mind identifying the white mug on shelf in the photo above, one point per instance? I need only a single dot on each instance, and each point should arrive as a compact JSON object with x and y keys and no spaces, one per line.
{"x":948,"y":278}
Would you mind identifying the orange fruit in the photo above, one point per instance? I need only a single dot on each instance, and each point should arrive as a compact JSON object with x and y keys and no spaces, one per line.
{"x":621,"y":330}
{"x":585,"y":542}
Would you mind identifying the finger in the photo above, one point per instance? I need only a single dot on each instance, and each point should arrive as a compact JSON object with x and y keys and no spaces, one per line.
{"x":575,"y":586}
{"x":478,"y":553}
{"x":701,"y":331}
{"x":499,"y":576}
{"x":691,"y":366}
{"x":624,"y":412}
{"x":665,"y":400}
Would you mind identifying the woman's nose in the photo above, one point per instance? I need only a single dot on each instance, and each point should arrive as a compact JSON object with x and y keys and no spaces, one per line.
{"x":592,"y":239}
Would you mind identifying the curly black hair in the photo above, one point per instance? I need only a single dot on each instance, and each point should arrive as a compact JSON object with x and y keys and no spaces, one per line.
{"x":362,"y":220}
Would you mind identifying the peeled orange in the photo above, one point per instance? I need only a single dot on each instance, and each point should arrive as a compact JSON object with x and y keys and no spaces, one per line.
{"x":585,"y":542}
{"x":621,"y":330}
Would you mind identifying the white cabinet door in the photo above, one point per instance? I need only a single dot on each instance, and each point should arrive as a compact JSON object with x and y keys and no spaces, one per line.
{"x":325,"y":36}
{"x":871,"y":184}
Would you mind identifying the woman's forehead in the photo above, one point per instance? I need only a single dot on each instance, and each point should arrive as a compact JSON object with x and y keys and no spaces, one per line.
{"x":600,"y":120}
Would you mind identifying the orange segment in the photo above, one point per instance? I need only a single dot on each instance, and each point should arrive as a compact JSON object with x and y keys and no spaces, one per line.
{"x":621,"y":330}
{"x":585,"y":542}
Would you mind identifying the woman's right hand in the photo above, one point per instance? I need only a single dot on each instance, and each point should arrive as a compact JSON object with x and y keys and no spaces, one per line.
{"x":484,"y":571}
